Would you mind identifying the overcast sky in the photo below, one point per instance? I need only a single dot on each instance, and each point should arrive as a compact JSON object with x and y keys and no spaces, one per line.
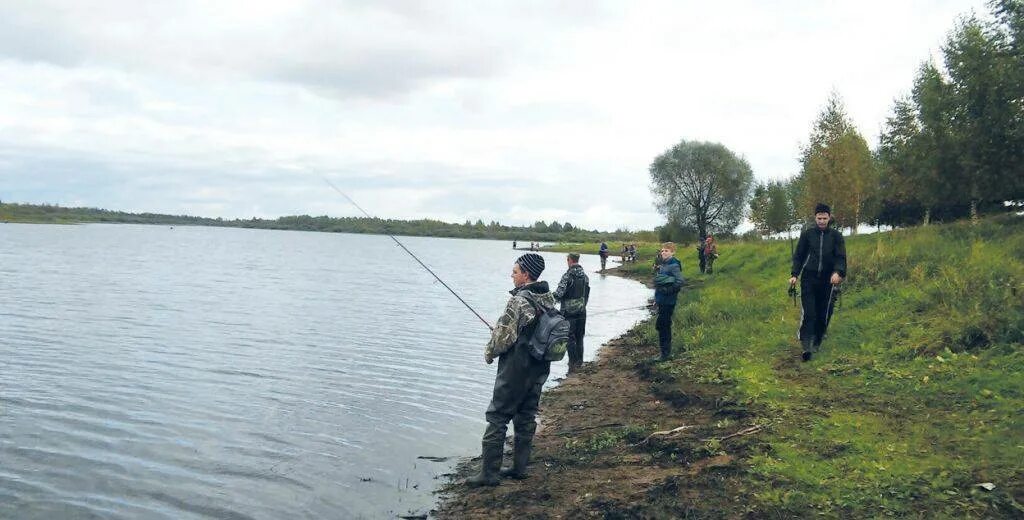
{"x":512,"y":111}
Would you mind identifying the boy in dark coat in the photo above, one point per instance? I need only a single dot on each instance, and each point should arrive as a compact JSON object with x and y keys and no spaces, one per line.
{"x":820,"y":263}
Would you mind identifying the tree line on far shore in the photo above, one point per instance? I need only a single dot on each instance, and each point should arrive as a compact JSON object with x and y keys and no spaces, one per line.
{"x":540,"y":231}
{"x":952,"y":148}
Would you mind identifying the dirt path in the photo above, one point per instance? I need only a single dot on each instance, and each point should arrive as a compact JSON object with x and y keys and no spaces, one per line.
{"x":594,"y":457}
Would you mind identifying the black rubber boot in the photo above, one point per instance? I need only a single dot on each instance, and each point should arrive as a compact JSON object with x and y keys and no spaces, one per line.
{"x":666,"y":351}
{"x":520,"y":458}
{"x":489,"y":467}
{"x":808,"y":345}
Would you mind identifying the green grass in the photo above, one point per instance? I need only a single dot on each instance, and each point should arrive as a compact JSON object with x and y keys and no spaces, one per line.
{"x":917,"y":395}
{"x":586,"y":447}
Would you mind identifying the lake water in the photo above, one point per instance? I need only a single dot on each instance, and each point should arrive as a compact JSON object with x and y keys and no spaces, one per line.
{"x":189,"y":372}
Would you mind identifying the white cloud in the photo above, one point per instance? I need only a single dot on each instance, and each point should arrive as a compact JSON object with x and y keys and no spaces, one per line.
{"x":510,"y":111}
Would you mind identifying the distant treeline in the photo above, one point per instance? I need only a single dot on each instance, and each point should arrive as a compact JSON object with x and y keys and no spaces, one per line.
{"x":539,"y":231}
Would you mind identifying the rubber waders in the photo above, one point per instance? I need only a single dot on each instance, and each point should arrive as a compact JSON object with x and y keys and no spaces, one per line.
{"x":520,"y":458}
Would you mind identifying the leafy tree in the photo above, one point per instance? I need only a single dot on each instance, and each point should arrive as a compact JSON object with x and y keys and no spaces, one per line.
{"x":703,"y":185}
{"x":983,"y":63}
{"x":837,"y":166}
{"x":770,"y":210}
{"x":780,"y":213}
{"x":759,"y":208}
{"x":900,"y":166}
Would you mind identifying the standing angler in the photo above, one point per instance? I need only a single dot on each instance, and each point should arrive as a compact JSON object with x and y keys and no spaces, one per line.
{"x":820,"y":262}
{"x":520,"y":377}
{"x":573,"y":293}
{"x":710,"y":254}
{"x":667,"y":282}
{"x":701,"y":259}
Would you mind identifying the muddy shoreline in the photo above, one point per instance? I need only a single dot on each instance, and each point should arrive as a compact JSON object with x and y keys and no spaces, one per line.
{"x":620,"y":439}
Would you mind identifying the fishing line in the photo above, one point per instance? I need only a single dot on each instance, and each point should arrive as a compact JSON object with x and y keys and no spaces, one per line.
{"x":640,"y":307}
{"x":331,"y":184}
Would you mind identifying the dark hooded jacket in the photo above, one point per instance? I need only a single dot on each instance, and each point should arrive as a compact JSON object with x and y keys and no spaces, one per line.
{"x":820,"y":252}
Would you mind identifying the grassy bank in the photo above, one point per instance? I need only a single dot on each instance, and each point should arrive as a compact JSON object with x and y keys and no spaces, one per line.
{"x":913,"y":407}
{"x":917,"y":396}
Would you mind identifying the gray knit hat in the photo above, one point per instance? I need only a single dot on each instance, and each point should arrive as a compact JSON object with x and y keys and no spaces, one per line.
{"x":531,"y":263}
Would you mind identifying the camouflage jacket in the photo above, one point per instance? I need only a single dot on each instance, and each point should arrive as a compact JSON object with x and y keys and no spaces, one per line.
{"x":519,"y":313}
{"x":573,"y":291}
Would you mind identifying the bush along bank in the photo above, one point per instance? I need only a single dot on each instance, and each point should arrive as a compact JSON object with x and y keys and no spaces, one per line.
{"x":912,"y":408}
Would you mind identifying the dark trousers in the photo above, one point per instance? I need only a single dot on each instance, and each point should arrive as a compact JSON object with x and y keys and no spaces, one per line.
{"x":815,"y":310}
{"x":577,"y":328}
{"x":664,"y":327}
{"x":517,"y":388}
{"x":702,"y":260}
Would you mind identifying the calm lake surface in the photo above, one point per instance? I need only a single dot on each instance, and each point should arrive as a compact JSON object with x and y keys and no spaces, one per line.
{"x":189,"y":372}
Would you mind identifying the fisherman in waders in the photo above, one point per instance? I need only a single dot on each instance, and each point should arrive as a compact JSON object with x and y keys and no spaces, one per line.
{"x":520,"y":378}
{"x":820,"y":263}
{"x":573,"y":293}
{"x":603,"y":253}
{"x":667,"y":282}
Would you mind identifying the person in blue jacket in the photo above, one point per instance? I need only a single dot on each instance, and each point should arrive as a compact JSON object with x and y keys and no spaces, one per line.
{"x":667,"y":282}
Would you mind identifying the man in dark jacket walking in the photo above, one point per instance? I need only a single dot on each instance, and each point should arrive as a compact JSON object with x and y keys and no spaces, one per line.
{"x":820,"y":263}
{"x":573,"y":293}
{"x":520,"y":377}
{"x":667,"y":282}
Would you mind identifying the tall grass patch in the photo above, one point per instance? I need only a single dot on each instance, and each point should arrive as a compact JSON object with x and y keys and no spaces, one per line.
{"x":916,"y":396}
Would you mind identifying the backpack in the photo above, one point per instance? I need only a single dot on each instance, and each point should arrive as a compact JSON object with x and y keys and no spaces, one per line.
{"x":550,"y":337}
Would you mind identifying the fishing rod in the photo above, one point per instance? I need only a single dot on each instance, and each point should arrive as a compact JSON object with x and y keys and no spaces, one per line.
{"x":834,"y":297}
{"x":438,"y":278}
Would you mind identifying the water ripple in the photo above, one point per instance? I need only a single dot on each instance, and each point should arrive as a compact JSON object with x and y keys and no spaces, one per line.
{"x":217,"y":373}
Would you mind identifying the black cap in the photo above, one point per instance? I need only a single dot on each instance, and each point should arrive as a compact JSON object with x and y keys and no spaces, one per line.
{"x":822,"y":208}
{"x":532,"y":263}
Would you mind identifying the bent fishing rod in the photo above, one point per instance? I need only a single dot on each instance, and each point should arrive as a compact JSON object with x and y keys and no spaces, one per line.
{"x":414,"y":257}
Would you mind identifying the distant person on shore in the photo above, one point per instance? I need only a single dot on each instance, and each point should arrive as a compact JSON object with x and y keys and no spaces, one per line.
{"x":603,"y":253}
{"x":667,"y":283}
{"x":710,"y":254}
{"x":520,"y":378}
{"x":573,"y":293}
{"x":700,"y":254}
{"x":513,"y":244}
{"x":820,"y":263}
